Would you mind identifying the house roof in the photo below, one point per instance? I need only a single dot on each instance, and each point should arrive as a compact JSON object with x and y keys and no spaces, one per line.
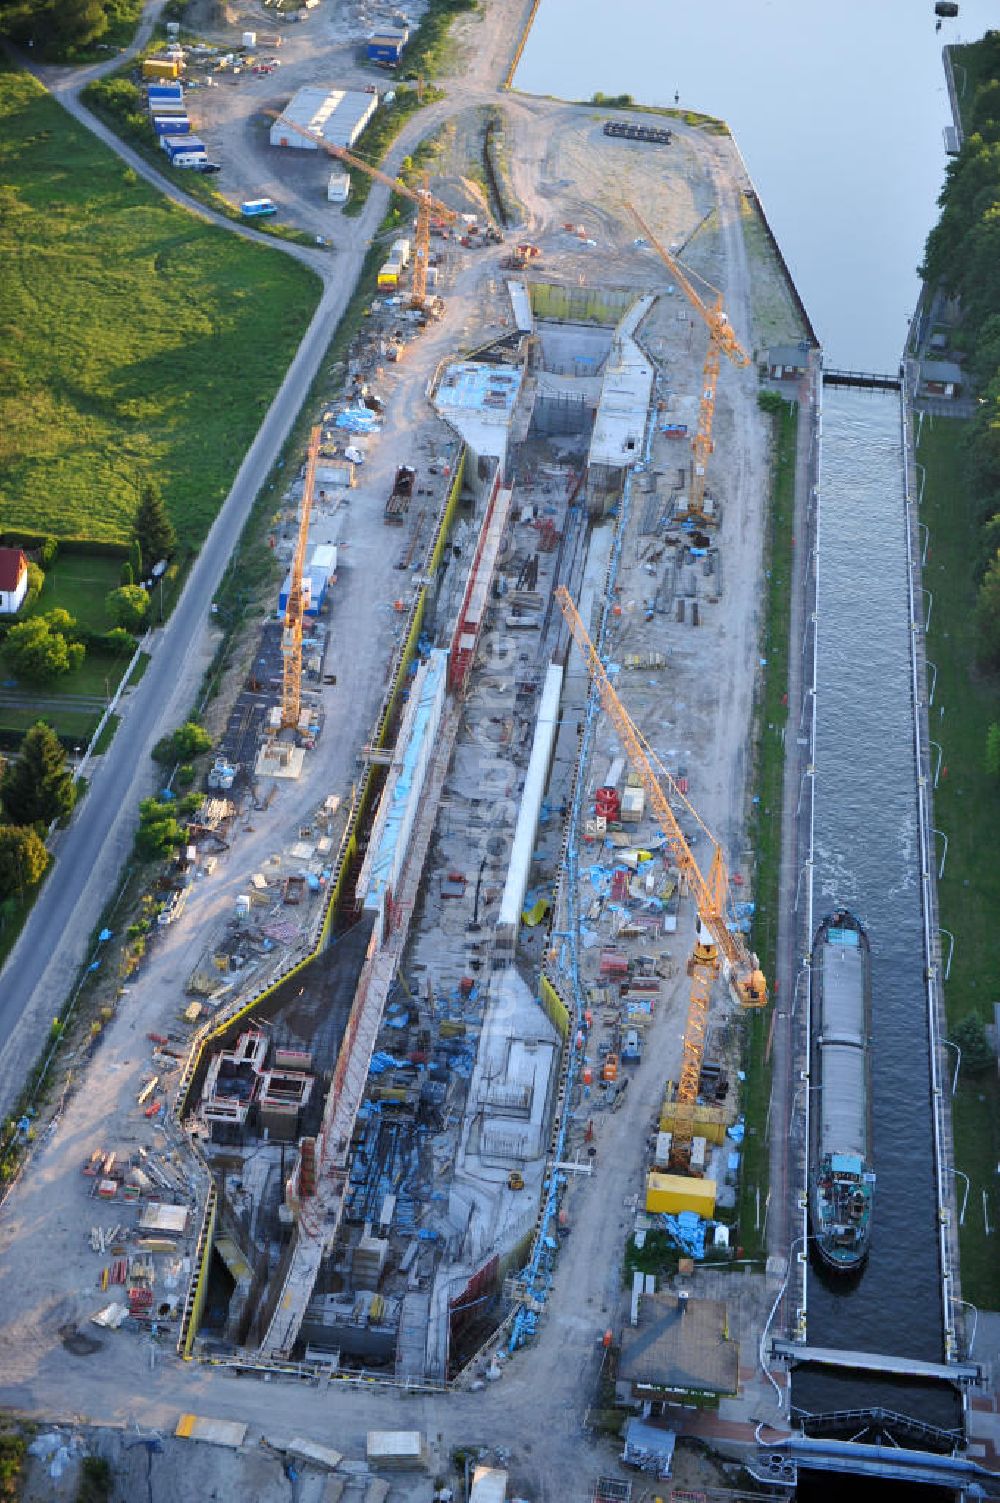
{"x":795,"y":355}
{"x":680,"y":1345}
{"x":12,"y":565}
{"x":942,"y":370}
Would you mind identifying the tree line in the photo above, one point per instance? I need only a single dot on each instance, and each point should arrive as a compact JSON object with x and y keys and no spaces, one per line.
{"x":60,"y":26}
{"x":962,"y":258}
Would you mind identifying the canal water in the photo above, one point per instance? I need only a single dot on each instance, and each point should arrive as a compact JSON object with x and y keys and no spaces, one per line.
{"x":838,"y":109}
{"x":867,"y":855}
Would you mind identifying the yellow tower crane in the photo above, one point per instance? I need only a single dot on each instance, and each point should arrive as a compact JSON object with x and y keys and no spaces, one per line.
{"x":426,"y":203}
{"x":722,"y":341}
{"x":291,"y":636}
{"x":717,"y":947}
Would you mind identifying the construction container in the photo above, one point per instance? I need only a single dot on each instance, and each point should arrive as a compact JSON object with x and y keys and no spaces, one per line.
{"x":386,"y":47}
{"x":667,"y":1194}
{"x":217,"y":1432}
{"x":171,"y":125}
{"x":338,"y":189}
{"x":401,"y":1450}
{"x":399,"y":251}
{"x":699,"y":1155}
{"x":249,"y":39}
{"x":633,"y":805}
{"x":388,"y":276}
{"x":661,"y":1154}
{"x":184,"y":151}
{"x":165,"y":97}
{"x":161,"y":67}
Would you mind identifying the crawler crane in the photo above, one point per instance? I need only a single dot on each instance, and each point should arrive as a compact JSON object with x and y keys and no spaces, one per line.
{"x":291,"y":636}
{"x":722,"y":341}
{"x":717,"y":947}
{"x":426,"y":203}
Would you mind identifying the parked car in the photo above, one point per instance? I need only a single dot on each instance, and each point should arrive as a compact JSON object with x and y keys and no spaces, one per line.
{"x":209,"y":167}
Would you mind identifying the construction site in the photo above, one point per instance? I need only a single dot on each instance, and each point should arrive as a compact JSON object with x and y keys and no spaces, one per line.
{"x":457,"y":953}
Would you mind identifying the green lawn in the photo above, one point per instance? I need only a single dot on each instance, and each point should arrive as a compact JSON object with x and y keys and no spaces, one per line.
{"x":765,"y":828}
{"x":967,"y":809}
{"x":135,"y":341}
{"x":78,"y":583}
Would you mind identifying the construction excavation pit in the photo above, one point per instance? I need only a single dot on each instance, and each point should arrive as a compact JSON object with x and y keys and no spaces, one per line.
{"x":451,"y":1012}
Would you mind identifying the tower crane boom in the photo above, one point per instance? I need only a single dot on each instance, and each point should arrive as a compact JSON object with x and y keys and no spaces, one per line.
{"x":291,"y":636}
{"x":722,"y":341}
{"x":717,"y":946}
{"x":425,"y":201}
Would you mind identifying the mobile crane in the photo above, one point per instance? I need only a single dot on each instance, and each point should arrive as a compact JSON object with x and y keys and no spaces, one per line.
{"x":717,"y":947}
{"x":722,"y":341}
{"x":291,"y":636}
{"x":426,"y":203}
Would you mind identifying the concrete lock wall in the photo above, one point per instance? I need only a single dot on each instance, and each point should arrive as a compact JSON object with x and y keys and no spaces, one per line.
{"x":216,"y":1031}
{"x":604,"y":305}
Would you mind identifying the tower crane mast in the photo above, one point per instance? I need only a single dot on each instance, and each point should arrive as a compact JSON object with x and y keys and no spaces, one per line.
{"x":722,"y":341}
{"x":717,"y":947}
{"x":291,"y":636}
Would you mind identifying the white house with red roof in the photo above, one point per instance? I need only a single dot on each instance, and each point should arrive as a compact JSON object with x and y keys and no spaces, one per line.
{"x":13,"y":580}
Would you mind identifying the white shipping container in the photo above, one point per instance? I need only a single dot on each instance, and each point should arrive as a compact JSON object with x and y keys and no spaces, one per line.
{"x":400,"y":251}
{"x":249,"y":39}
{"x":633,"y":804}
{"x":338,"y":189}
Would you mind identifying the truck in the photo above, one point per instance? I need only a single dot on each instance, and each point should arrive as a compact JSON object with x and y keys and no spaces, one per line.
{"x":520,"y":256}
{"x":338,"y":189}
{"x":254,"y":208}
{"x":398,"y":503}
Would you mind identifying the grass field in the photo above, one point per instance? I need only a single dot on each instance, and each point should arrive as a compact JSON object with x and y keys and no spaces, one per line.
{"x":967,"y":809}
{"x":135,"y":341}
{"x":765,"y":830}
{"x":79,"y":582}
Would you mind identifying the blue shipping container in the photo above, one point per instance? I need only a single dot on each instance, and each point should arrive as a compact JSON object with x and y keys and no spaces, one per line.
{"x":165,"y":94}
{"x":171,"y":125}
{"x":184,"y":146}
{"x":384,"y":52}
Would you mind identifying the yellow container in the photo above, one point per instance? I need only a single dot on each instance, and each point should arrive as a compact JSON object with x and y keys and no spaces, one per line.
{"x":388,"y":276}
{"x":160,"y":67}
{"x":666,"y":1194}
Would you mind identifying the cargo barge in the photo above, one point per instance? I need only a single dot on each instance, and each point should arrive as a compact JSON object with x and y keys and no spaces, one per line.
{"x":841,"y":1180}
